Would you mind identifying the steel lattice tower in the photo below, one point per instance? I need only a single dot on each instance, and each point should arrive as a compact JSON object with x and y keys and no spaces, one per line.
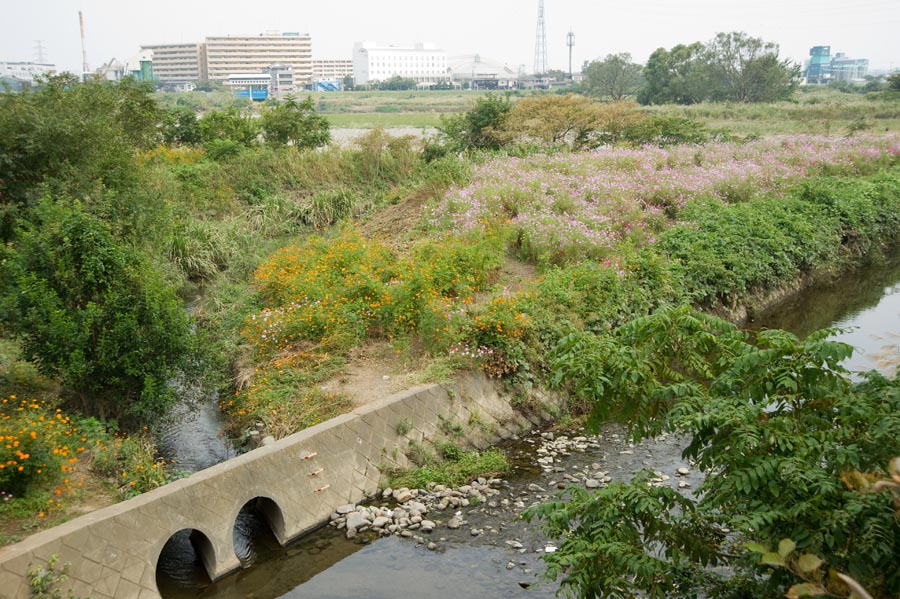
{"x":540,"y":43}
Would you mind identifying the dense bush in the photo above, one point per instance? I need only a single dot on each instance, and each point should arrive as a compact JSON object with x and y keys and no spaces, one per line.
{"x":786,"y":438}
{"x":92,"y":312}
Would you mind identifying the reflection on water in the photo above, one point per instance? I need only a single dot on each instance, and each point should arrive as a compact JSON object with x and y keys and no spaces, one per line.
{"x":866,"y":303}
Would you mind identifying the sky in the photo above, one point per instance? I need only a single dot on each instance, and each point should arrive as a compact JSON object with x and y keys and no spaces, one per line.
{"x":503,"y":30}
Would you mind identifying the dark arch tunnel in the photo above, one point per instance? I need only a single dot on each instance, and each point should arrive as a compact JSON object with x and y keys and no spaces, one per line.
{"x":185,"y":562}
{"x":260,"y":521}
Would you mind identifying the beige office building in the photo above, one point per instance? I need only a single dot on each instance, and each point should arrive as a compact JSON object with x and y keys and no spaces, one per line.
{"x":177,"y":63}
{"x":331,"y":69}
{"x":226,"y":55}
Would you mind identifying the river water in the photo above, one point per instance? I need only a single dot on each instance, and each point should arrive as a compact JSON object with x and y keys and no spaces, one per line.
{"x":494,"y":554}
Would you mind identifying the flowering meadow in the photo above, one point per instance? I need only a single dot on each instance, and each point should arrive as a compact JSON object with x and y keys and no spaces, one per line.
{"x":330,"y":293}
{"x":566,"y":207}
{"x":45,"y":456}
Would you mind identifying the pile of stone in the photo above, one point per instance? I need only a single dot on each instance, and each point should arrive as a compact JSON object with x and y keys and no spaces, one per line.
{"x":404,"y":511}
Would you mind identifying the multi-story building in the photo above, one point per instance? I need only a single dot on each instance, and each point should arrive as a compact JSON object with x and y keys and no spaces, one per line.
{"x":848,"y":69}
{"x":177,"y":63}
{"x":331,"y":69}
{"x":26,"y":72}
{"x":425,"y":63}
{"x":818,"y":69}
{"x":822,"y":67}
{"x":226,"y":55}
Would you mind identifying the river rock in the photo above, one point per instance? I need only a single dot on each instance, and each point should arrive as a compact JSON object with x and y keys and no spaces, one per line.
{"x":402,"y":495}
{"x":356,"y":520}
{"x":380,"y":522}
{"x":683,"y":471}
{"x":454,"y":523}
{"x":592,"y":483}
{"x":427,"y":525}
{"x":345,"y":509}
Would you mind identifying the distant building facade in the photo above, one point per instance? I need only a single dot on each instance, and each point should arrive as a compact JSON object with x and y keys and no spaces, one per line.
{"x":844,"y":68}
{"x":476,"y":72}
{"x":226,"y":55}
{"x":176,"y":63}
{"x":331,"y":69}
{"x":823,"y":68}
{"x":26,"y":73}
{"x":218,"y":57}
{"x":424,"y":63}
{"x":818,"y":69}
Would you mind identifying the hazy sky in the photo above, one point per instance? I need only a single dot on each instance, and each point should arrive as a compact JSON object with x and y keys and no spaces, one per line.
{"x":500,"y":29}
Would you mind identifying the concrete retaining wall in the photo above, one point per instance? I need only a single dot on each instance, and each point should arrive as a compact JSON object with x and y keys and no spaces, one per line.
{"x":113,"y":552}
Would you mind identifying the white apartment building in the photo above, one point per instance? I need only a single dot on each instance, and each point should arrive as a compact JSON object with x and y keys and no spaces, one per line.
{"x":177,"y":63}
{"x":423,"y":62}
{"x":226,"y":55}
{"x":331,"y":69}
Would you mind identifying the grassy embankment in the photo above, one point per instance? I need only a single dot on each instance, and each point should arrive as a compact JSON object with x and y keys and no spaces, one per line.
{"x":427,"y":271}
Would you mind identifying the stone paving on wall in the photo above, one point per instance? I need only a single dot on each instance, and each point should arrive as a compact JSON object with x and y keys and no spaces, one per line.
{"x":113,"y":553}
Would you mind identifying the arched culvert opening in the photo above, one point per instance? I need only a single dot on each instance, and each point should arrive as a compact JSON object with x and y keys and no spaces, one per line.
{"x":184,"y":563}
{"x":259,"y":524}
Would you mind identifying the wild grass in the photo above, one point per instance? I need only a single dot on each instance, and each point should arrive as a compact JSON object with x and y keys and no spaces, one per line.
{"x":457,"y":468}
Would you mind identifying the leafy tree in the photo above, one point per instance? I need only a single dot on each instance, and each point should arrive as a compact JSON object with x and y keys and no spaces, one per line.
{"x":296,"y":123}
{"x":73,"y":135}
{"x":552,"y":119}
{"x":748,"y":69}
{"x":894,"y":81}
{"x":786,"y":438}
{"x":479,"y":128}
{"x":180,"y":126}
{"x":615,"y":77}
{"x":92,"y":312}
{"x":676,"y":76}
{"x":347,"y":83}
{"x":229,"y":125}
{"x":397,"y":83}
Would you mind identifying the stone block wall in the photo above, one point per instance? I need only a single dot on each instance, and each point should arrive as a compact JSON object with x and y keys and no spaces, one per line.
{"x":113,"y":552}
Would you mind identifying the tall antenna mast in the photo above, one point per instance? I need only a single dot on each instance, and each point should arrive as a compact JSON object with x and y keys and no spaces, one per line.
{"x":84,"y":64}
{"x":39,"y":51}
{"x":540,"y":43}
{"x":570,"y":42}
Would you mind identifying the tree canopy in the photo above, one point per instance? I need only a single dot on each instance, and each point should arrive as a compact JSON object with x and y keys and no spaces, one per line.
{"x":731,"y":67}
{"x":616,"y":77}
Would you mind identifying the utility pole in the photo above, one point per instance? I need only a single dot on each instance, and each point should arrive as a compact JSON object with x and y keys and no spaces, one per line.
{"x":570,"y":42}
{"x":540,"y":43}
{"x":84,"y":64}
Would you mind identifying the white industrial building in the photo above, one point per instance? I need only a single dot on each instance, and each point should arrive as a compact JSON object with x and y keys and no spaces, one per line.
{"x":423,"y":62}
{"x":477,"y":72}
{"x":26,"y":72}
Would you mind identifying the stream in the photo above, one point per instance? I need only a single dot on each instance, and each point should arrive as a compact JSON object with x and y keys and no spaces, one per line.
{"x":493,"y":553}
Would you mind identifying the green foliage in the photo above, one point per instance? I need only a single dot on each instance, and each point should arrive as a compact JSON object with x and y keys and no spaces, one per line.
{"x":45,"y":581}
{"x":615,"y":77}
{"x":676,"y":75}
{"x":295,"y":123}
{"x":180,"y":126}
{"x":893,"y":81}
{"x":230,"y":125}
{"x":458,"y":468}
{"x":92,"y":312}
{"x":396,"y":83}
{"x":605,"y":535}
{"x":73,"y":135}
{"x":478,"y":128}
{"x":731,"y":67}
{"x":776,"y":423}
